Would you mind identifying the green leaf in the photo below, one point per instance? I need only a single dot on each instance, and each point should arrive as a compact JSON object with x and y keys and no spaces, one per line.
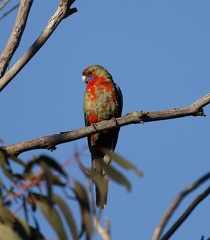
{"x":15,"y":223}
{"x":51,"y":162}
{"x":122,"y":161}
{"x":25,"y":210}
{"x":53,"y":217}
{"x":18,"y":160}
{"x":35,"y":231}
{"x":81,"y":194}
{"x":32,"y":201}
{"x":67,"y":214}
{"x":116,"y":175}
{"x":22,"y":228}
{"x":82,"y":167}
{"x":82,"y":197}
{"x":57,"y":181}
{"x":35,"y":234}
{"x":100,"y":182}
{"x":7,"y":173}
{"x":6,"y":216}
{"x":4,"y":163}
{"x":3,"y":153}
{"x":6,"y":233}
{"x":47,"y":175}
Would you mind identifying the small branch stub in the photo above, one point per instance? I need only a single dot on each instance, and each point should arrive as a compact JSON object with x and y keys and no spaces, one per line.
{"x":50,"y":142}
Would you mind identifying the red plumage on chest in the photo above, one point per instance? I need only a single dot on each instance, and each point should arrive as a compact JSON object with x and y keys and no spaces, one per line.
{"x":100,"y":102}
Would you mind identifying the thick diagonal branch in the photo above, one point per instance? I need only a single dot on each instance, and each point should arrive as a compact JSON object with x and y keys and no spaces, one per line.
{"x":15,"y":37}
{"x":50,"y":142}
{"x":62,"y":12}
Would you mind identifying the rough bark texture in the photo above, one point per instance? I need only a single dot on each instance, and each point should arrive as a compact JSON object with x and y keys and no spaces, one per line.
{"x":50,"y":142}
{"x":61,"y":13}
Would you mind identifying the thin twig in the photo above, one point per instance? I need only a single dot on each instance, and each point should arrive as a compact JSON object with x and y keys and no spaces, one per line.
{"x":175,"y":204}
{"x":4,"y":4}
{"x":96,"y":219}
{"x":50,"y":142}
{"x":90,"y":193}
{"x":103,"y":232}
{"x":25,"y":186}
{"x":9,"y":11}
{"x":30,"y":183}
{"x":184,"y":216}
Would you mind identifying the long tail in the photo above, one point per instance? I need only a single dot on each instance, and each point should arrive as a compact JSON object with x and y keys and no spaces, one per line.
{"x":101,"y":193}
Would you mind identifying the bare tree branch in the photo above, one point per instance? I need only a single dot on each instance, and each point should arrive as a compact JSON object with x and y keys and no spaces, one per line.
{"x":103,"y":232}
{"x":15,"y":37}
{"x":188,"y":211}
{"x":9,"y":11}
{"x":49,"y":142}
{"x":61,"y":13}
{"x":177,"y":201}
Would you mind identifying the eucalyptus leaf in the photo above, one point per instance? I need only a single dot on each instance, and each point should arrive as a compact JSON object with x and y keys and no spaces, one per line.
{"x":49,"y":179}
{"x":53,"y":217}
{"x":18,"y":160}
{"x":4,"y":163}
{"x":35,"y":234}
{"x":6,"y":216}
{"x":82,"y":197}
{"x":50,"y":161}
{"x":67,"y":214}
{"x":100,"y":183}
{"x":122,"y":161}
{"x":22,"y":228}
{"x":7,"y":233}
{"x":116,"y":175}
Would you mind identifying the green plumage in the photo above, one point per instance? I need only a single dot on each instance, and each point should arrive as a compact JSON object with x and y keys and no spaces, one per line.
{"x":102,"y":101}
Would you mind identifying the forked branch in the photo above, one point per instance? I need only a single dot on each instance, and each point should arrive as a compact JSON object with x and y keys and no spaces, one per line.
{"x":61,"y":13}
{"x":175,"y":204}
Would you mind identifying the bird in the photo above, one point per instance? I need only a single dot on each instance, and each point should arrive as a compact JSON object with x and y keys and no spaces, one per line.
{"x":103,"y":100}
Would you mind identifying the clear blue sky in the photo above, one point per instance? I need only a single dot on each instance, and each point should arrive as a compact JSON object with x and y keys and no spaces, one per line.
{"x":158,"y":52}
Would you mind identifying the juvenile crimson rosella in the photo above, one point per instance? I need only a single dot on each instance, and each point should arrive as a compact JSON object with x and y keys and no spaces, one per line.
{"x":102,"y":101}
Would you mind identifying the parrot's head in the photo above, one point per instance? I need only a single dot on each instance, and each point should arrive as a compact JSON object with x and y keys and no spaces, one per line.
{"x":89,"y":73}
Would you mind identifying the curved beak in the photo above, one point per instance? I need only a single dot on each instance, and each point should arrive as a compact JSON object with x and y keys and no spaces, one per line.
{"x":84,"y":79}
{"x":87,"y":79}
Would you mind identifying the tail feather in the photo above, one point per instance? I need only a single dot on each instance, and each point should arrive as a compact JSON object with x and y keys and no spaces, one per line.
{"x":101,"y":190}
